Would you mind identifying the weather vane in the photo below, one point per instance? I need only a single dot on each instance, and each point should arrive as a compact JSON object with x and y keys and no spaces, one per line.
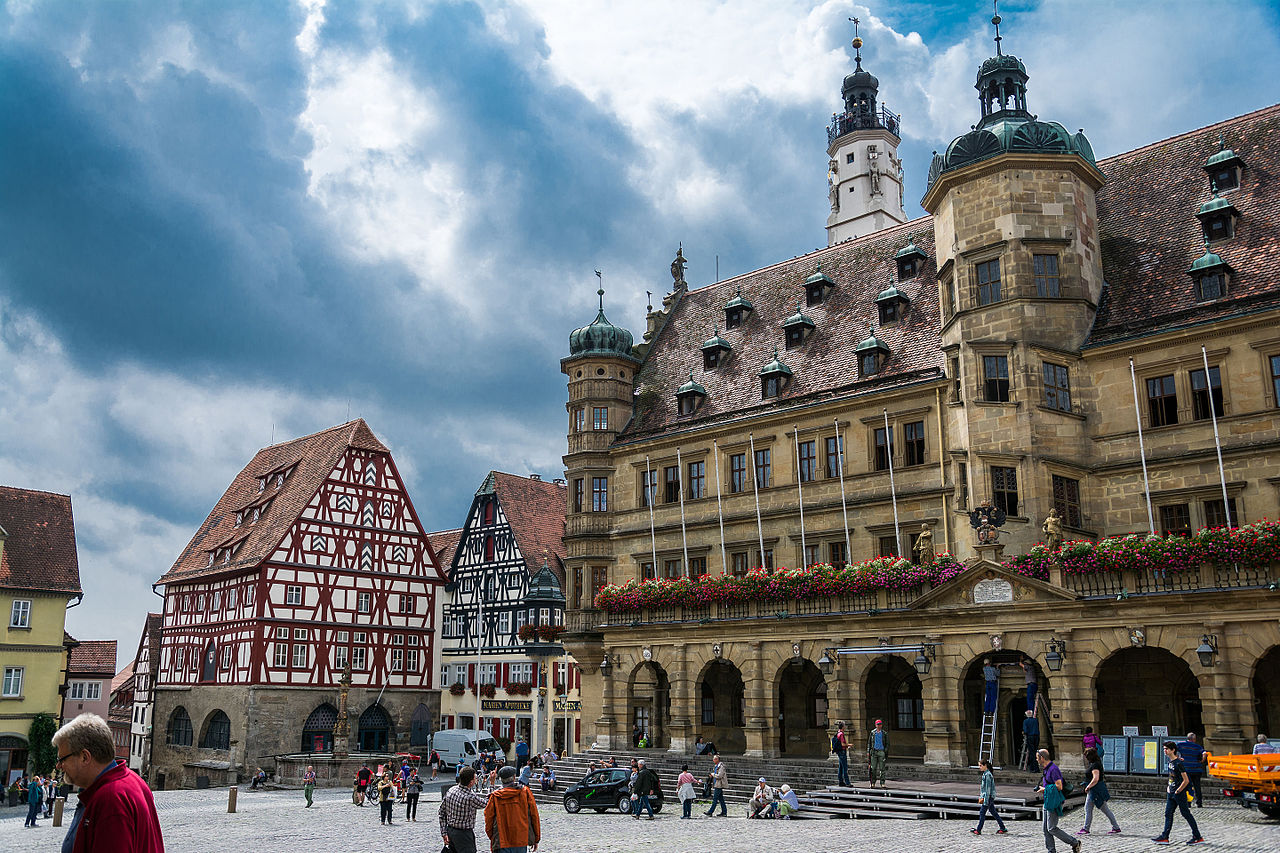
{"x":995,"y":19}
{"x":600,"y":292}
{"x":857,"y":42}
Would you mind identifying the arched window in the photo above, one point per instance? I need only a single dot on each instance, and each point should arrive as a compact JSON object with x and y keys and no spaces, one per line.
{"x":374,"y":729}
{"x":317,"y":731}
{"x":217,"y":732}
{"x":179,"y":731}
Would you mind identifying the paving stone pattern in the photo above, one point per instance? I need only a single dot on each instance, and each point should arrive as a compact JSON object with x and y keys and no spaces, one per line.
{"x":197,"y":822}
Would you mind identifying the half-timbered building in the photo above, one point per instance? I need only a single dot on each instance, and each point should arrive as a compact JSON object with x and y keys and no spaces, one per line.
{"x":140,"y":728}
{"x":313,"y":561}
{"x":503,"y":613}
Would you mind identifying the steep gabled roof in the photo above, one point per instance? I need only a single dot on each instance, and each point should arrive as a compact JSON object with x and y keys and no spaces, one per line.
{"x":825,"y":364}
{"x":123,"y":676}
{"x":92,"y":657}
{"x":312,"y":457}
{"x":535,"y":509}
{"x":40,"y":542}
{"x":445,"y":545}
{"x":1150,"y":234}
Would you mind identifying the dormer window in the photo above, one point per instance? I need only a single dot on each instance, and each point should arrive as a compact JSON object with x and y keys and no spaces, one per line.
{"x":689,"y":396}
{"x":1218,"y":218}
{"x":1224,"y":168}
{"x":1210,"y":275}
{"x":910,"y":259}
{"x":774,"y":378}
{"x":736,"y":311}
{"x":816,"y":286}
{"x":872,"y":354}
{"x":796,"y":328}
{"x":892,"y":304}
{"x":715,"y":350}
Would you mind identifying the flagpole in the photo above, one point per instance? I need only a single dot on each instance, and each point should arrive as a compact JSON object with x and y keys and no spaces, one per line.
{"x":755,"y":487}
{"x":1142,"y":451}
{"x":684,"y":539}
{"x":844,"y":508}
{"x":650,"y":489}
{"x":715,"y":455}
{"x":1217,"y":442}
{"x":893,"y":489}
{"x":804,"y":555}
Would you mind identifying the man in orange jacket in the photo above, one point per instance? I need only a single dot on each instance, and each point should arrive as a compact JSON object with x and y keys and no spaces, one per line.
{"x":511,"y":816}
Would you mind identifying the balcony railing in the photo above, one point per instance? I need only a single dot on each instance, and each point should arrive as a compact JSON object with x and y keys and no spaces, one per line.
{"x":848,"y":122}
{"x":587,"y":524}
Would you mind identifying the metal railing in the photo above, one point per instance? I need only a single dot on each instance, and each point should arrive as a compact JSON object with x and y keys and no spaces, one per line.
{"x":849,"y":121}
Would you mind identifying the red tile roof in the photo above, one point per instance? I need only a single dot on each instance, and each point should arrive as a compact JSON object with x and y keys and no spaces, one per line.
{"x":825,"y":364}
{"x":1150,"y":234}
{"x":93,"y":657}
{"x":315,"y":456}
{"x":122,"y":676}
{"x":40,"y":549}
{"x":444,"y":544}
{"x":535,"y":509}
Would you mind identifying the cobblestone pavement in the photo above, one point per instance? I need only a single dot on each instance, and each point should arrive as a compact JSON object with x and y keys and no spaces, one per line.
{"x":197,"y":822}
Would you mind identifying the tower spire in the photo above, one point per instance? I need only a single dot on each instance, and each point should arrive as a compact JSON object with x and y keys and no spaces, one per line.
{"x":857,"y":44}
{"x":995,"y":21}
{"x":600,"y":292}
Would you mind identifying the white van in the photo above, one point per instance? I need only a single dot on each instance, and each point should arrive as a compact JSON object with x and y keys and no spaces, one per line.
{"x":464,"y":745}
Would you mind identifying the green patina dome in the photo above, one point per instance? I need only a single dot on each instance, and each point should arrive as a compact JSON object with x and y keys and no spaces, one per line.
{"x":775,"y":367}
{"x":872,"y":343}
{"x":544,"y":587}
{"x":1214,"y":205}
{"x":1207,"y":262}
{"x":1226,"y":155}
{"x":691,"y":387}
{"x":911,"y":250}
{"x":601,"y":338}
{"x":819,"y":277}
{"x":716,"y":342}
{"x":1000,"y":64}
{"x":739,"y":302}
{"x":797,"y":319}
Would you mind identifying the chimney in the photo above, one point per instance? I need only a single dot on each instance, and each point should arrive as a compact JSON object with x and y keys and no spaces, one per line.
{"x":537,"y":477}
{"x":559,"y":481}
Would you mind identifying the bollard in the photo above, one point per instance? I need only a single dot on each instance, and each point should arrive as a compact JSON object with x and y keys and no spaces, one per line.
{"x":57,"y":810}
{"x":231,"y":800}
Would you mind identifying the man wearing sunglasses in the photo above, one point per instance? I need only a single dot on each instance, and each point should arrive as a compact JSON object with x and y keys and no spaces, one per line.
{"x":115,"y":810}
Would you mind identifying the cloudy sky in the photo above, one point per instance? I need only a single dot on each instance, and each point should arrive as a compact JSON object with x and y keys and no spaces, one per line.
{"x":224,"y":222}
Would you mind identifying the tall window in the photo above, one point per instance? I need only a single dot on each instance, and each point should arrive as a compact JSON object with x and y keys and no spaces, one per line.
{"x":1216,"y":516}
{"x":738,"y":472}
{"x":600,"y":417}
{"x":280,"y":655}
{"x":771,"y":386}
{"x":988,"y":276}
{"x":1275,"y":377}
{"x":884,"y":448}
{"x":359,"y":657}
{"x":913,"y":443}
{"x":1057,"y":387}
{"x":179,"y":733}
{"x":738,"y":564}
{"x":577,"y":587}
{"x":810,"y":554}
{"x":578,"y":489}
{"x":1175,"y":520}
{"x":20,"y":614}
{"x":599,"y":580}
{"x":948,"y":298}
{"x":12,"y":681}
{"x":340,"y":657}
{"x":1046,"y":270}
{"x":837,"y":554}
{"x":647,"y":571}
{"x":299,"y":655}
{"x":764,"y":468}
{"x":1201,"y":397}
{"x":962,"y":485}
{"x":766,"y":559}
{"x":1162,"y":401}
{"x":1066,"y":500}
{"x":697,"y":480}
{"x":834,"y":451}
{"x":648,"y":487}
{"x":364,"y":602}
{"x":411,"y":660}
{"x":995,"y":378}
{"x":406,"y":604}
{"x":293,"y":595}
{"x":1004,"y":488}
{"x":671,"y":568}
{"x":887,"y":546}
{"x":671,"y":482}
{"x":697,"y":567}
{"x":957,"y":387}
{"x":808,"y":460}
{"x":599,"y":494}
{"x":579,"y":420}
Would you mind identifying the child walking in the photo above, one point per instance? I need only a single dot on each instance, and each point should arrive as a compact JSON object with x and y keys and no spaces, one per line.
{"x":987,"y":797}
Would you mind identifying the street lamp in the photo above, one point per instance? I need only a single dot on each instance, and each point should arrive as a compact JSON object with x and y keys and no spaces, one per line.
{"x":606,"y":666}
{"x":1055,"y":654}
{"x":825,"y":663}
{"x":924,"y":659}
{"x":1207,"y":649}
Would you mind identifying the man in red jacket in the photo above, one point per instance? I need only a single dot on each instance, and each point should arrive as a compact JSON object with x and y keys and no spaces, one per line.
{"x":116,"y":813}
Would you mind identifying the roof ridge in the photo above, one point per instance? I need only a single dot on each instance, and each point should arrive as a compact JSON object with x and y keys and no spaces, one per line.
{"x":32,"y":491}
{"x":1187,"y":133}
{"x":351,"y":423}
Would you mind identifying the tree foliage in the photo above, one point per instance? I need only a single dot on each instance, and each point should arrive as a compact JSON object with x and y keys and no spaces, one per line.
{"x":41,"y":753}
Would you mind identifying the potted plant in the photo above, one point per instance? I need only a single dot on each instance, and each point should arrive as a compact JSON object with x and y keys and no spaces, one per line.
{"x":527,"y":632}
{"x":550,"y":633}
{"x":457,"y":688}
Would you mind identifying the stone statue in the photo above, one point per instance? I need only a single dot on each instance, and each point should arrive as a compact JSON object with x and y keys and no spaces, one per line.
{"x":924,"y":547}
{"x":833,"y":190}
{"x":1053,"y":530}
{"x":987,"y":521}
{"x":874,"y":156}
{"x":677,"y":269}
{"x":901,"y":174}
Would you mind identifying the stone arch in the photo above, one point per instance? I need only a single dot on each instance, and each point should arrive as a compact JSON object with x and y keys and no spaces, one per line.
{"x":1144,"y":686}
{"x":216,"y":731}
{"x":420,"y":726}
{"x":374,"y":731}
{"x":317,"y":731}
{"x":800,"y":692}
{"x":1266,"y":693}
{"x":892,"y":691}
{"x":648,"y":704}
{"x":178,"y":731}
{"x":720,"y":706}
{"x":1011,"y":705}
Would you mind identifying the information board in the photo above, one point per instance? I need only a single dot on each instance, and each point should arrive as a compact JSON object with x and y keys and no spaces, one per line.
{"x":1115,"y":754}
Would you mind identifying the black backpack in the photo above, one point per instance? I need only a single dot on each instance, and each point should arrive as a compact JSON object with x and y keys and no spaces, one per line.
{"x":835,"y":744}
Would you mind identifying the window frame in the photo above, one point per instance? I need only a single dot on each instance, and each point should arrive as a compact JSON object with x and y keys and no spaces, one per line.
{"x":881,"y":450}
{"x":913,"y":446}
{"x":364,"y":601}
{"x":1004,"y":488}
{"x":1169,"y":525}
{"x":1048,"y":283}
{"x":1202,"y":398}
{"x":1162,"y":409}
{"x":737,"y":473}
{"x":599,"y":418}
{"x":599,"y":494}
{"x":996,"y":388}
{"x":293,"y":595}
{"x":1218,"y":279}
{"x":987,"y":292}
{"x":20,"y":614}
{"x":697,"y":472}
{"x":1056,"y":383}
{"x":763,"y":468}
{"x":1065,"y":493}
{"x":833,"y":448}
{"x":671,"y":484}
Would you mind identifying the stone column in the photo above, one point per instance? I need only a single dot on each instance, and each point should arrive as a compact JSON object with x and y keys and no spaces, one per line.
{"x":342,"y":728}
{"x":680,"y":724}
{"x":757,"y":710}
{"x":606,"y":721}
{"x":1225,"y":700}
{"x":943,"y":743}
{"x":1071,"y":703}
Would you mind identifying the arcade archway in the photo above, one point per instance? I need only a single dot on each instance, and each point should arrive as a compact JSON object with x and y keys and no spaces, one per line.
{"x":892,"y":692}
{"x":1011,"y":706}
{"x":802,"y":709}
{"x":649,"y":704}
{"x":1266,"y":693}
{"x":317,"y":731}
{"x":1146,"y":687}
{"x":374,"y":731}
{"x":721,"y":718}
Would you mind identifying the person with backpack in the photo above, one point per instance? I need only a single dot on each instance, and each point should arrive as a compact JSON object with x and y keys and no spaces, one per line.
{"x":511,"y":816}
{"x":412,"y":791}
{"x":987,"y":799}
{"x":1055,"y":791}
{"x":1176,"y":796}
{"x":684,"y":790}
{"x":1096,"y":793}
{"x":1192,"y":755}
{"x":1090,"y":740}
{"x":646,"y":784}
{"x":878,"y":753}
{"x":840,"y":746}
{"x":35,"y":795}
